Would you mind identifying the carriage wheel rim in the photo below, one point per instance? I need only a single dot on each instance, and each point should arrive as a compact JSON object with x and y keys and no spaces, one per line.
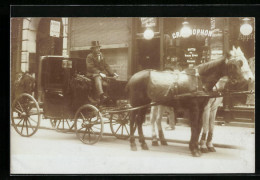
{"x":26,"y":120}
{"x":98,"y":121}
{"x":123,"y":128}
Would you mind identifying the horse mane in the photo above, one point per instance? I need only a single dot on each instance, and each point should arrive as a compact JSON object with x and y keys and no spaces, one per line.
{"x":209,"y":66}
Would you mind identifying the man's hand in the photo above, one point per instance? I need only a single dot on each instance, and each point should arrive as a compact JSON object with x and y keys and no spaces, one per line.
{"x":116,"y":75}
{"x":103,"y":75}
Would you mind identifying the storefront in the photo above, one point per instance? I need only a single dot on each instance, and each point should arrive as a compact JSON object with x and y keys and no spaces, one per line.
{"x":114,"y":35}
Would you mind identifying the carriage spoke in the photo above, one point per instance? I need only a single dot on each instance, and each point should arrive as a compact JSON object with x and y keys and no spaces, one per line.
{"x":58,"y":124}
{"x":22,"y":128}
{"x":26,"y":127}
{"x":16,"y":117}
{"x":20,"y":106}
{"x":118,"y":128}
{"x":19,"y":122}
{"x":32,"y":120}
{"x":127,"y":130}
{"x":18,"y":111}
{"x":122,"y":130}
{"x":89,"y":137}
{"x":63,"y":123}
{"x":84,"y":134}
{"x":81,"y":129}
{"x":127,"y":115}
{"x":68,"y":123}
{"x":82,"y":116}
{"x":30,"y":125}
{"x":94,"y":134}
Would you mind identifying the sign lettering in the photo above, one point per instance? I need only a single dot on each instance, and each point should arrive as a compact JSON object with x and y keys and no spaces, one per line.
{"x":55,"y":28}
{"x":197,"y":32}
{"x":148,"y":22}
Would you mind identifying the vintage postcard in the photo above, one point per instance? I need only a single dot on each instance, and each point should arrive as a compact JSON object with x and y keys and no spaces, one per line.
{"x":132,"y":95}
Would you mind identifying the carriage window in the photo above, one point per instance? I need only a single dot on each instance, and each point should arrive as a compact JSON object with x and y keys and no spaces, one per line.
{"x":56,"y":73}
{"x":53,"y":73}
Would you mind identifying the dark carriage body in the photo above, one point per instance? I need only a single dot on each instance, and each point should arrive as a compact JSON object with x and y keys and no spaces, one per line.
{"x":55,"y":74}
{"x":54,"y":89}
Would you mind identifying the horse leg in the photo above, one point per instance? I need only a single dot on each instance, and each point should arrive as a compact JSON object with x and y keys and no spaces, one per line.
{"x":132,"y":131}
{"x":161,"y":110}
{"x":211,"y":124}
{"x":154,"y":111}
{"x":141,"y":119}
{"x":205,"y":122}
{"x":194,"y":118}
{"x":172,"y":118}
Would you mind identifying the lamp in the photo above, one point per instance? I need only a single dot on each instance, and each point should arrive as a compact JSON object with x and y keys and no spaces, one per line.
{"x":148,"y":34}
{"x":186,"y":30}
{"x":246,"y":28}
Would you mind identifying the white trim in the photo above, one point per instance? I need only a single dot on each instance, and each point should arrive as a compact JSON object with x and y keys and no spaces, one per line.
{"x":109,"y":46}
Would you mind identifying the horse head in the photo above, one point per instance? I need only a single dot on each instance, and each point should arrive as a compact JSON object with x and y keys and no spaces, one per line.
{"x":237,"y":70}
{"x":238,"y":55}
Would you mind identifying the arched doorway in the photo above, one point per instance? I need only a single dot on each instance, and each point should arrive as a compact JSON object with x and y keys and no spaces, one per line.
{"x":46,"y":43}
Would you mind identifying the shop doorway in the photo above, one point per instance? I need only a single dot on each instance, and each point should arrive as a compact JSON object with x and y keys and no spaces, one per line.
{"x":148,"y":54}
{"x":46,"y":44}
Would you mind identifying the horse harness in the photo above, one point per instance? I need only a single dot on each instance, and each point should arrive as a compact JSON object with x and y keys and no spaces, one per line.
{"x":173,"y":88}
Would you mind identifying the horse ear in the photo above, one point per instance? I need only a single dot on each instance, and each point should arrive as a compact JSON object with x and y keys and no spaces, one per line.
{"x":239,"y":51}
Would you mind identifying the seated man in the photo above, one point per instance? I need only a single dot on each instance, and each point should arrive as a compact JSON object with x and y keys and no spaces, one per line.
{"x":98,"y":68}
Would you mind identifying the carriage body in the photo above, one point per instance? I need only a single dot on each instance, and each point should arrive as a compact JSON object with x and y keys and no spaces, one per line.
{"x":55,"y":74}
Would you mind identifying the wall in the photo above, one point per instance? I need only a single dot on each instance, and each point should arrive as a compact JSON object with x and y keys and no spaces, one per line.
{"x":113,"y":34}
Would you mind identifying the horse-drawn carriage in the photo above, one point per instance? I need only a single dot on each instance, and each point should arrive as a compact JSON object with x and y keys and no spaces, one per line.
{"x":66,"y":97}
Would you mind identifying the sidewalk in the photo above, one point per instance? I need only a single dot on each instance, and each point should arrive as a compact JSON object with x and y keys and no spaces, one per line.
{"x":223,"y":137}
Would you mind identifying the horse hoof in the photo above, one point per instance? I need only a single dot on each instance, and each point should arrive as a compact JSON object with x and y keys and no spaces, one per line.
{"x":164,"y":143}
{"x":204,"y":150}
{"x":195,"y":153}
{"x":211,"y":149}
{"x":144,"y":146}
{"x":199,"y":151}
{"x":133,"y":147}
{"x":155,"y":143}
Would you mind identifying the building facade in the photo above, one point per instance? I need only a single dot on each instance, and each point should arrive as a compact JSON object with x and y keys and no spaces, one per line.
{"x":130,"y":44}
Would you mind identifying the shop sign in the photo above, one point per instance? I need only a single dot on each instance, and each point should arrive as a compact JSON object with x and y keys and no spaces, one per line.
{"x":148,"y":22}
{"x":198,"y":32}
{"x":191,"y":55}
{"x":54,"y":28}
{"x":246,"y":38}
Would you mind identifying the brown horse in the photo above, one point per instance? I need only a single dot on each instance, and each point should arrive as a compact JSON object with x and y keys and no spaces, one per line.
{"x":141,"y":90}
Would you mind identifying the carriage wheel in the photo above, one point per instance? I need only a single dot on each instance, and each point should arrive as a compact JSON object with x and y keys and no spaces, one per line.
{"x":62,"y":125}
{"x":88,"y":124}
{"x":119,"y":124}
{"x":25,"y":115}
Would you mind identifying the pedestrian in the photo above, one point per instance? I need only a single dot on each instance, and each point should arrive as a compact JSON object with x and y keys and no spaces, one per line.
{"x":98,"y":69}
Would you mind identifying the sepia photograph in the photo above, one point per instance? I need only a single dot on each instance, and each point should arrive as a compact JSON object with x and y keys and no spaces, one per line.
{"x":132,"y":95}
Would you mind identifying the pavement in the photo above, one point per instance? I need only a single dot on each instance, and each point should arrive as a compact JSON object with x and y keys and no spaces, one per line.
{"x":233,"y":137}
{"x":51,"y":152}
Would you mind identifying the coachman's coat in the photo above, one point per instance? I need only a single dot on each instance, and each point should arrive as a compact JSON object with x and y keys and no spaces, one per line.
{"x":96,"y":66}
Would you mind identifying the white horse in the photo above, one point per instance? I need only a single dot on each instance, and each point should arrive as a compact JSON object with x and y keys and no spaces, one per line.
{"x":156,"y":116}
{"x":210,"y":110}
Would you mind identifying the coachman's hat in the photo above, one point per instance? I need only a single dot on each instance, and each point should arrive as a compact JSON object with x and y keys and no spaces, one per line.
{"x":94,"y":44}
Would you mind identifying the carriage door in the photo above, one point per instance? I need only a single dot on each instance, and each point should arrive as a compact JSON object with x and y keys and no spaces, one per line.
{"x":49,"y":40}
{"x":148,"y":54}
